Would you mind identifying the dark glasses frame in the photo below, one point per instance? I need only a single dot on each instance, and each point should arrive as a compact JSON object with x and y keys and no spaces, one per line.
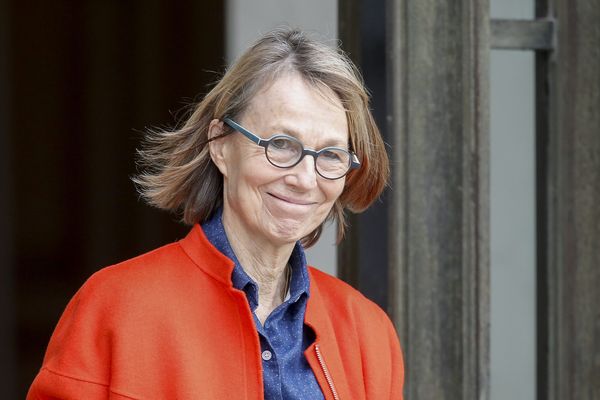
{"x":354,"y":162}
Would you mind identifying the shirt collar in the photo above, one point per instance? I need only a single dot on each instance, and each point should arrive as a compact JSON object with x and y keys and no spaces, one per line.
{"x":299,"y":282}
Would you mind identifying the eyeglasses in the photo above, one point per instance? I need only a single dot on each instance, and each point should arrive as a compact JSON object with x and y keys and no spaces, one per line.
{"x":285,"y":151}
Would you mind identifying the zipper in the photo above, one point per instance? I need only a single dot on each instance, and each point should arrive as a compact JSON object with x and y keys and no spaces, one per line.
{"x":326,"y":372}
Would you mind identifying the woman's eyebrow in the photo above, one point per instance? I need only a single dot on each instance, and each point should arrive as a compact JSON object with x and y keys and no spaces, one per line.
{"x":327,"y":142}
{"x":288,"y":130}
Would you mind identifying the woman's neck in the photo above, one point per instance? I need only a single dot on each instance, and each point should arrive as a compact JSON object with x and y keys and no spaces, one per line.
{"x":265,"y":263}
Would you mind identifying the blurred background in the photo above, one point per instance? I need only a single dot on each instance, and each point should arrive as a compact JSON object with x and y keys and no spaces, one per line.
{"x":80,"y":82}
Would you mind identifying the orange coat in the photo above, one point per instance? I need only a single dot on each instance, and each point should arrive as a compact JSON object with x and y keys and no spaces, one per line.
{"x":169,"y":325}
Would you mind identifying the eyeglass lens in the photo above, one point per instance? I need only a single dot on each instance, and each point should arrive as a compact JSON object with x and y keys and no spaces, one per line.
{"x":330,"y":162}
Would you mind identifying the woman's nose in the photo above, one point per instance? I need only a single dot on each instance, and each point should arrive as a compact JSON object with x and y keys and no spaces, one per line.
{"x":304,"y":174}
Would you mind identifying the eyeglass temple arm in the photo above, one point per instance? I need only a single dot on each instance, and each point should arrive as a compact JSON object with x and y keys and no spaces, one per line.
{"x":244,"y":131}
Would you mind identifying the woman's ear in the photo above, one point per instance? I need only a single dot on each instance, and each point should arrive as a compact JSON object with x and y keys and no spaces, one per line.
{"x":217,"y":147}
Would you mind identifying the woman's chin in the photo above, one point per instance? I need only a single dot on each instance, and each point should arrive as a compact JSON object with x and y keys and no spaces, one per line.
{"x":287,"y":231}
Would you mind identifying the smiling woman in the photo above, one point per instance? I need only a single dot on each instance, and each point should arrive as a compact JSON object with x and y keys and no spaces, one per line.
{"x":280,"y":206}
{"x":284,"y":142}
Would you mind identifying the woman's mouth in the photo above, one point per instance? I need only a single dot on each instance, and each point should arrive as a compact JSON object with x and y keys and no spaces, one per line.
{"x":292,"y":200}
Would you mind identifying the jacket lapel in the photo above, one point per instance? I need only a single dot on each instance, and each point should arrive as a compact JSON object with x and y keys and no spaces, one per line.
{"x":319,"y":319}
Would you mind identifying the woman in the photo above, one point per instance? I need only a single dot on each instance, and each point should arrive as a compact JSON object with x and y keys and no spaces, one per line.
{"x":283,"y":143}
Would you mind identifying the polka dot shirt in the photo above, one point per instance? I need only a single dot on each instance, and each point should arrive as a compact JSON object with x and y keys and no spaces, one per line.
{"x":284,"y":336}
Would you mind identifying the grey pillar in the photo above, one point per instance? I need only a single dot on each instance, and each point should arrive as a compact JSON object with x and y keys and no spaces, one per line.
{"x":572,"y":206}
{"x":439,"y":262}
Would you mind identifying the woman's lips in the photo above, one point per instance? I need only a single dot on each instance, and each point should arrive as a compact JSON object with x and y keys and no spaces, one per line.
{"x":291,"y":200}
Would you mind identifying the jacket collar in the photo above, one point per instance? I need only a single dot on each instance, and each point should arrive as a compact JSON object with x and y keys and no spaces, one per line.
{"x":206,"y":256}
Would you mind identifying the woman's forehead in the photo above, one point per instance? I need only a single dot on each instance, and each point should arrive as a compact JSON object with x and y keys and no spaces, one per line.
{"x":292,"y":104}
{"x":291,"y":89}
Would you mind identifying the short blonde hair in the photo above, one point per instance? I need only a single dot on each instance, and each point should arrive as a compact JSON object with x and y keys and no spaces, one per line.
{"x":177,"y":172}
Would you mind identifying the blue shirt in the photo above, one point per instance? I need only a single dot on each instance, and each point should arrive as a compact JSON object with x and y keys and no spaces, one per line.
{"x":284,"y":336}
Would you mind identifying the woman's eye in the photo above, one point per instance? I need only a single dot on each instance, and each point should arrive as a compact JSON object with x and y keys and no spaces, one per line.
{"x":281,"y":144}
{"x":331,"y":155}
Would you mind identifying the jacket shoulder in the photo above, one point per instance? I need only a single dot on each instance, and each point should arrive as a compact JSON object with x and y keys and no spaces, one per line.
{"x":338,"y":297}
{"x":163,"y":267}
{"x":141,"y":267}
{"x":139,"y":288}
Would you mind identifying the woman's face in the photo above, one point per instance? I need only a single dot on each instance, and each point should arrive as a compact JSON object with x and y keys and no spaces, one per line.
{"x":273,"y":205}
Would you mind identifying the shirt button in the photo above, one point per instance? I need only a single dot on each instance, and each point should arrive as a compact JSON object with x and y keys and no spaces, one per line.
{"x":266,"y":355}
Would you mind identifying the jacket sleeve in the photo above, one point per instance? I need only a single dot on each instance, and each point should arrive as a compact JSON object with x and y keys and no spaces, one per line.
{"x":77,"y":361}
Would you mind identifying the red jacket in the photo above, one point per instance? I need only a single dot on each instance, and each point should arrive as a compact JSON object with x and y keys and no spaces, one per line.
{"x":170,"y":325}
